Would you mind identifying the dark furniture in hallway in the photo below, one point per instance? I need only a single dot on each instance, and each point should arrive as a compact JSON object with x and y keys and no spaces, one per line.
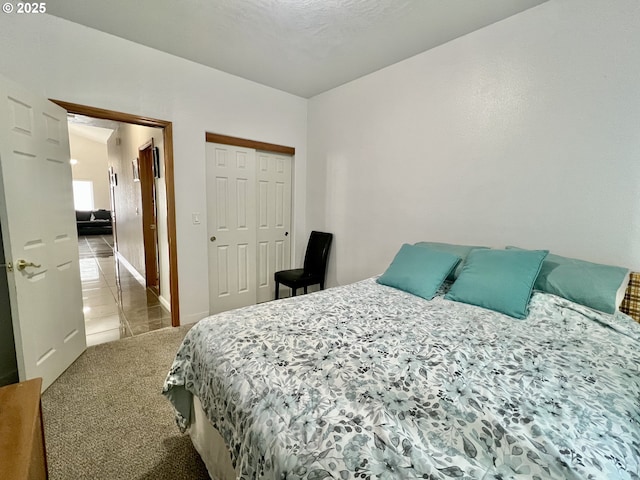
{"x":96,"y":222}
{"x":315,"y":266}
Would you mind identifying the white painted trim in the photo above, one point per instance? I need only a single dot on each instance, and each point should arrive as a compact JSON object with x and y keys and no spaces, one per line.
{"x":141,"y":280}
{"x":164,"y":302}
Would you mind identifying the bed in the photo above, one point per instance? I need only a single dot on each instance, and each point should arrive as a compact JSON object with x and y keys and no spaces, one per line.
{"x":368,"y":381}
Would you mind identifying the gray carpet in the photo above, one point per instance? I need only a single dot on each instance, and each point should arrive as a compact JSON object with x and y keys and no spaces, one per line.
{"x":105,"y":417}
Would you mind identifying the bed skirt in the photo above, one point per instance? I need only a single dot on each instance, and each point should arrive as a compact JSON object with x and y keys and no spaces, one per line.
{"x":210,"y":445}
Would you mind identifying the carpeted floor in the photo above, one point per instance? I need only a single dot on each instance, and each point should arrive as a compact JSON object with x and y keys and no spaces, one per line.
{"x":105,"y":417}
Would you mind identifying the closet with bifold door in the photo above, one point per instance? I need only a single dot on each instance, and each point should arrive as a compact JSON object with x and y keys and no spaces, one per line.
{"x":249,"y":223}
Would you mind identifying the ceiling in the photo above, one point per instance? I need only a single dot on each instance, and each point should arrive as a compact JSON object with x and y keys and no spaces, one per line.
{"x":94,"y":129}
{"x":303,"y":47}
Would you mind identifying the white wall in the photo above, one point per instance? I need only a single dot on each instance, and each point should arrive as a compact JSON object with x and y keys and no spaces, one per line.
{"x":128,"y":202}
{"x":128,"y":198}
{"x":92,"y":165}
{"x":62,"y":60}
{"x":526,"y":132}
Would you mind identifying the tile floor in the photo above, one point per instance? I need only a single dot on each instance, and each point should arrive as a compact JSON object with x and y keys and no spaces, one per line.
{"x":116,"y":304}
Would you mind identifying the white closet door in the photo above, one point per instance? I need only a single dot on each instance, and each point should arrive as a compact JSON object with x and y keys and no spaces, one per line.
{"x":231,"y":219}
{"x":274,"y":220}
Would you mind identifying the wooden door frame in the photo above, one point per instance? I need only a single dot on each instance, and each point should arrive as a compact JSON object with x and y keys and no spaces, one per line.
{"x":247,"y":143}
{"x":151,"y":265}
{"x":167,"y":135}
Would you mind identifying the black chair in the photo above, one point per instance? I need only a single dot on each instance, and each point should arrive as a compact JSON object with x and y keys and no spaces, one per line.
{"x":315,"y":266}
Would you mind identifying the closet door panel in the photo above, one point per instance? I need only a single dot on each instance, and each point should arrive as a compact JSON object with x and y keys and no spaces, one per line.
{"x":232,"y":221}
{"x":273,"y":232}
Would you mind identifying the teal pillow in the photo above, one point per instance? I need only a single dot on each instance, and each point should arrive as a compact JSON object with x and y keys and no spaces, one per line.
{"x":500,"y":280}
{"x":419,"y":270}
{"x":593,"y":285}
{"x":461,"y":251}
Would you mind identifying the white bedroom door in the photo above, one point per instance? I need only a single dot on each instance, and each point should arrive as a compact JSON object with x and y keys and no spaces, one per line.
{"x":39,"y":234}
{"x":231,"y":220}
{"x":274,"y":220}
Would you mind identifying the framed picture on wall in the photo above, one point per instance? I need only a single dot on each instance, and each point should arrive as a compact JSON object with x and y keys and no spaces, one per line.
{"x":113,"y":177}
{"x":156,"y":162}
{"x":136,"y":169}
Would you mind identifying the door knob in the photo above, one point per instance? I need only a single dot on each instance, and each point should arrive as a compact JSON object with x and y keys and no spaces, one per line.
{"x":22,"y":264}
{"x":213,"y":239}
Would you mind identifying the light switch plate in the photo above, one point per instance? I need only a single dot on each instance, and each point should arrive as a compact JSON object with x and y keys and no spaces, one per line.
{"x":195,"y":218}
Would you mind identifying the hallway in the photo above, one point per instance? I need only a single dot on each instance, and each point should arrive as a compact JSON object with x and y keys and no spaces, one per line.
{"x":116,"y":304}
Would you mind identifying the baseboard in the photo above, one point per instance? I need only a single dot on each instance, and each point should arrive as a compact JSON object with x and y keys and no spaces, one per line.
{"x":192,"y":318}
{"x":132,"y":270}
{"x":164,"y":302}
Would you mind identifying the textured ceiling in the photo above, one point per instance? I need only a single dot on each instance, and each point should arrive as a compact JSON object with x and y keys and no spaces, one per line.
{"x":303,"y":47}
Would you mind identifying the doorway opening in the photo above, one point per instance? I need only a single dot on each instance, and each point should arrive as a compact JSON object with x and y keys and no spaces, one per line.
{"x":152,"y":166}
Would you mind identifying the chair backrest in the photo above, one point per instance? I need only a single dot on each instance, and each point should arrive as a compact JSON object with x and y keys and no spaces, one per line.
{"x":315,"y":260}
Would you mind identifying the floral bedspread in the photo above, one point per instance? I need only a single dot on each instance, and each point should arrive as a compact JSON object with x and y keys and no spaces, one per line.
{"x":365,"y":381}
